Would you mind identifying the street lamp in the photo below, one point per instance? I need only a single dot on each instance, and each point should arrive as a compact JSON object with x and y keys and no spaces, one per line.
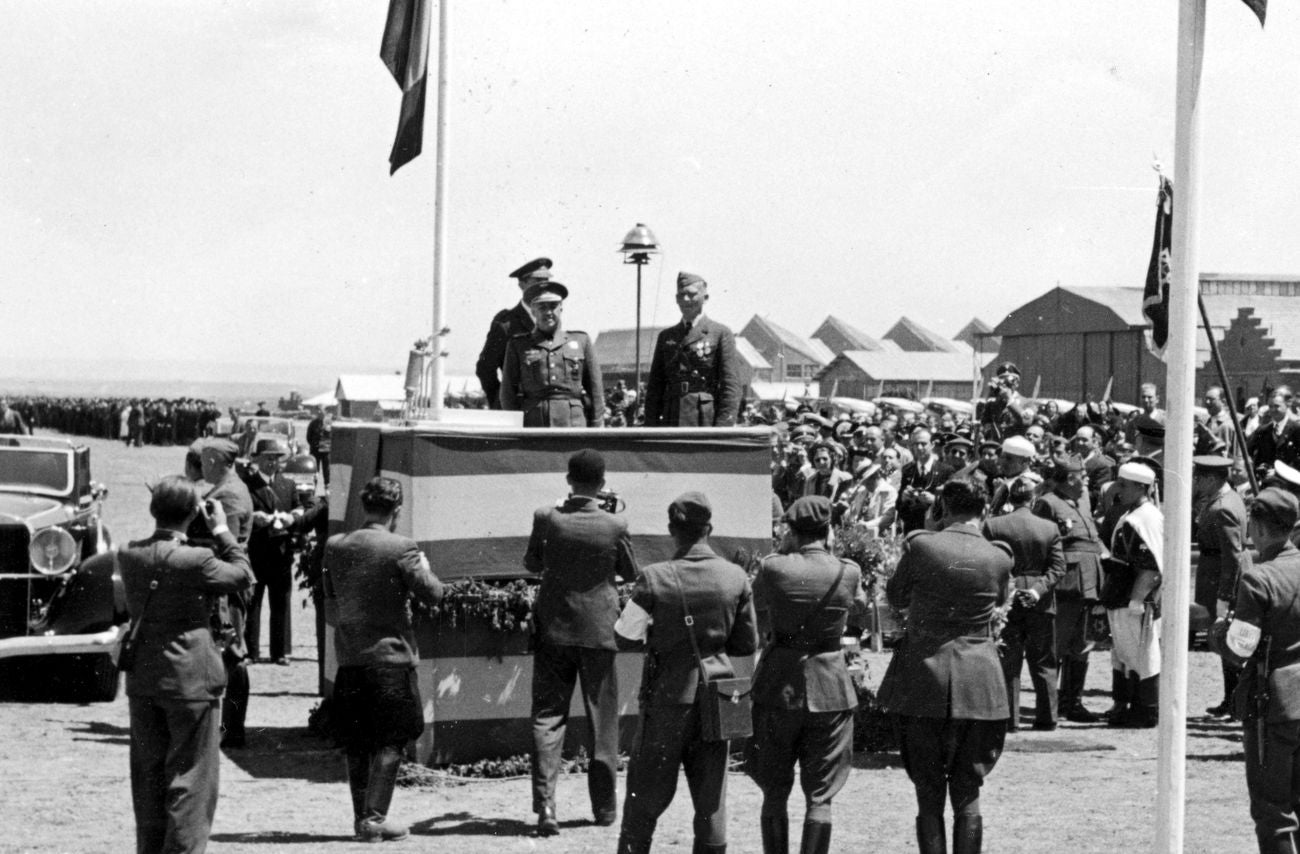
{"x":638,"y":246}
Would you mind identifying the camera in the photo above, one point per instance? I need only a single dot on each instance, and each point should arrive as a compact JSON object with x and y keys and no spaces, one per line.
{"x":209,"y":507}
{"x":610,"y":502}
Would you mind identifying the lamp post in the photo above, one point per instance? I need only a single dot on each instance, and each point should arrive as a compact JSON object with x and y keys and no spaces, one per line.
{"x":638,"y":246}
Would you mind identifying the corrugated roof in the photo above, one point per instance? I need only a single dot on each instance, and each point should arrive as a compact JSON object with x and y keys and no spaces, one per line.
{"x":927,"y":340}
{"x":897,"y":367}
{"x":856,"y":338}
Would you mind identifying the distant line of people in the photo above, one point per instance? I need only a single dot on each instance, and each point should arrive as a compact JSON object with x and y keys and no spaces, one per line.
{"x":136,"y":421}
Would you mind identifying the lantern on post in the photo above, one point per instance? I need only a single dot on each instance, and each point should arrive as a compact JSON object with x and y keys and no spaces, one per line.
{"x":638,"y":246}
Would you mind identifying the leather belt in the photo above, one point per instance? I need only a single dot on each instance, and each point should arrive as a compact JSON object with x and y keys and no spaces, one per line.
{"x":685,"y":389}
{"x":809,"y":646}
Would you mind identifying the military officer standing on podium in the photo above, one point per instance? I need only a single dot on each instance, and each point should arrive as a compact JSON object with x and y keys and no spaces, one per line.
{"x":580,"y":551}
{"x":803,"y":696}
{"x":1221,"y":535}
{"x":1264,"y":634}
{"x":506,"y":324}
{"x":945,"y":680}
{"x":551,"y":374}
{"x":694,"y":376}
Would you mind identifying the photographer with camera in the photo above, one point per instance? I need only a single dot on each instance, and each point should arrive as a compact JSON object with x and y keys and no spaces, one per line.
{"x":580,"y":549}
{"x":174,"y":673}
{"x":1002,"y":413}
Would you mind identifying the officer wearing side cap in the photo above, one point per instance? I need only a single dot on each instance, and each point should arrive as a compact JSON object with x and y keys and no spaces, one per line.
{"x":694,"y":378}
{"x":506,"y":324}
{"x":550,"y":373}
{"x":1264,"y":635}
{"x":803,"y":696}
{"x":717,"y":595}
{"x":1221,"y":536}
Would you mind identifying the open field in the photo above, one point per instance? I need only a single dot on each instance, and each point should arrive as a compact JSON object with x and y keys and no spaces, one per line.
{"x":1079,"y":789}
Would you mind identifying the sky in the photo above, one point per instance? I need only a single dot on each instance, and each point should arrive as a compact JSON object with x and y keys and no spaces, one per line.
{"x":200,"y":187}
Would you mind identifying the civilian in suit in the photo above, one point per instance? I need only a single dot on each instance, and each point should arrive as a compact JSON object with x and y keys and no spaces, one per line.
{"x":270,"y":549}
{"x":217,"y":461}
{"x":372,"y":575}
{"x":945,"y":679}
{"x":506,"y":324}
{"x":717,"y":595}
{"x":1221,"y":536}
{"x":318,"y":442}
{"x":694,"y":378}
{"x":1099,"y":468}
{"x":1030,"y":631}
{"x":803,"y":696}
{"x":1278,"y":436}
{"x":580,"y":551}
{"x":551,"y":374}
{"x":1064,"y":503}
{"x":920,"y":482}
{"x":175,"y":685}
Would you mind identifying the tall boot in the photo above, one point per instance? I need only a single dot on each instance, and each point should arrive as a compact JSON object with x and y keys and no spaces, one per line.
{"x":1147,"y":692}
{"x":358,"y":778}
{"x":628,"y":845}
{"x":816,"y":837}
{"x":707,"y":848}
{"x":931,"y":835}
{"x":376,"y":826}
{"x":776,"y":833}
{"x":967,"y":834}
{"x":1269,"y":843}
{"x":1120,"y":693}
{"x":1074,"y":676}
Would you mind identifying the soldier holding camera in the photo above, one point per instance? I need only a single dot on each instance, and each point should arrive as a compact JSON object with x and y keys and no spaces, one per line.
{"x":580,"y":549}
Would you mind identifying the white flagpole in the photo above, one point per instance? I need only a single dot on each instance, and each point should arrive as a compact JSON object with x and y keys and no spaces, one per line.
{"x":1180,"y":386}
{"x":439,"y":221}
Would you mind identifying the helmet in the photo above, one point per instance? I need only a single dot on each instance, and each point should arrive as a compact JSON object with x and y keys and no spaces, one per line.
{"x":301,"y":464}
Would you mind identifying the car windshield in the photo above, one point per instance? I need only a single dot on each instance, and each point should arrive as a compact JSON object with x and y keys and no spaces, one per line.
{"x":35,"y":470}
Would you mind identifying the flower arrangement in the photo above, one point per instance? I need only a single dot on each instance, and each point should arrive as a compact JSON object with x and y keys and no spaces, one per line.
{"x":505,"y":606}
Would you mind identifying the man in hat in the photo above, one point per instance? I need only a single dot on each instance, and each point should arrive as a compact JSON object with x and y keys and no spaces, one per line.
{"x":1264,"y":635}
{"x":1221,"y":535}
{"x":217,"y":459}
{"x":580,"y":551}
{"x":550,"y":373}
{"x":1132,"y":599}
{"x":1065,"y":504}
{"x":803,"y":696}
{"x":270,"y":548}
{"x":506,"y":324}
{"x":1004,"y":413}
{"x":946,"y":681}
{"x":1016,"y":457}
{"x":694,"y":378}
{"x":715,"y":594}
{"x":957,"y":452}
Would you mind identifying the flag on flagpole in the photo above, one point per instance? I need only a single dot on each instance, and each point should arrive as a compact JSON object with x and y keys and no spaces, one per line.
{"x":1259,"y":7}
{"x":1155,"y":298}
{"x":405,"y":51}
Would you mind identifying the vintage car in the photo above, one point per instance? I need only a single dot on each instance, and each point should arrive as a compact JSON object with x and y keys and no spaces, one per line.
{"x":62,"y":607}
{"x":254,"y":427}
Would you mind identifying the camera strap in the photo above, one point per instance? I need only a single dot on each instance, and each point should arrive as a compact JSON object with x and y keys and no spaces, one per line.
{"x":134,"y":631}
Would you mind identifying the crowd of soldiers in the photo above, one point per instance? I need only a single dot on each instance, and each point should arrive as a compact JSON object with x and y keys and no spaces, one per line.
{"x":135,"y":421}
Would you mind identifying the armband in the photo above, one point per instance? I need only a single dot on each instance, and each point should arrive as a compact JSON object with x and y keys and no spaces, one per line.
{"x":1243,"y":638}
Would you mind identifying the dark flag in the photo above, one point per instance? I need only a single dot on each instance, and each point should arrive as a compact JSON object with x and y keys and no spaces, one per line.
{"x":1259,"y":7}
{"x":405,"y":51}
{"x":1155,"y":298}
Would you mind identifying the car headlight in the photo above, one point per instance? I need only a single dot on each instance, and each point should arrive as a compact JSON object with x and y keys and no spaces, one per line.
{"x":52,"y":551}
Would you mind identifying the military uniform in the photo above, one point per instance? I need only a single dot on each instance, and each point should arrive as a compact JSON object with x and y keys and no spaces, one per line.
{"x":945,"y":678}
{"x":694,"y":378}
{"x":555,"y":381}
{"x":580,"y":551}
{"x":717,"y":594}
{"x":1221,"y":536}
{"x":506,"y":324}
{"x":803,"y":696}
{"x":175,"y":685}
{"x":1030,"y":631}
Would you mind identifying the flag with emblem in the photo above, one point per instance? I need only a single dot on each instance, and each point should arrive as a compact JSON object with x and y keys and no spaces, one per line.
{"x":405,"y":52}
{"x":1155,"y":298}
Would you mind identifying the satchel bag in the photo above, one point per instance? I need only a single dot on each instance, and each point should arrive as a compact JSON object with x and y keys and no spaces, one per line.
{"x":126,"y":653}
{"x":726,"y":705}
{"x":1117,"y":584}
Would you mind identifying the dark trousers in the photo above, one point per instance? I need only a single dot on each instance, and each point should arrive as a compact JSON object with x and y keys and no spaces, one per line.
{"x":234,"y":706}
{"x":1275,"y":786}
{"x":949,"y":758}
{"x":1030,"y":637}
{"x":174,"y":773}
{"x":555,"y":671}
{"x":669,"y":739}
{"x":323,"y":464}
{"x":822,"y":744}
{"x":277,"y":586}
{"x":1072,"y":646}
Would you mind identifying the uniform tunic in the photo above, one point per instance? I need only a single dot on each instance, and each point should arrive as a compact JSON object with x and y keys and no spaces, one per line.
{"x":1221,"y":535}
{"x":506,"y":324}
{"x":555,"y":381}
{"x":1079,"y":586}
{"x":694,"y":378}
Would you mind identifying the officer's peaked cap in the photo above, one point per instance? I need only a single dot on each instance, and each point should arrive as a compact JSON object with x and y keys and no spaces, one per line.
{"x":534,"y":269}
{"x":545,"y":292}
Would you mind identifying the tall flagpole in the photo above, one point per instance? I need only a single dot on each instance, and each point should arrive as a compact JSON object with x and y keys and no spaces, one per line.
{"x":437,"y":370}
{"x":1180,"y":392}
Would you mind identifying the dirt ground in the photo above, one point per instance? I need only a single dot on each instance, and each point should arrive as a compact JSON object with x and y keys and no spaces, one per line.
{"x":1079,"y":789}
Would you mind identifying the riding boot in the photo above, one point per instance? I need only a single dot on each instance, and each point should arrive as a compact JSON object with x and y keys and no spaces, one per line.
{"x":775,"y":830}
{"x":1270,"y":843}
{"x":707,"y":848}
{"x":358,"y":778}
{"x":1120,"y":693}
{"x":1147,"y":693}
{"x":816,"y":838}
{"x":1074,"y":676}
{"x":931,"y":835}
{"x":379,"y":796}
{"x":628,"y":845}
{"x":967,"y":834}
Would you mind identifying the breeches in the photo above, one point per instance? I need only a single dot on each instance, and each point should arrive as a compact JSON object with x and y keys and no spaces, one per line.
{"x":1275,"y":786}
{"x":1072,"y":616}
{"x":668,"y":739}
{"x":950,"y":757}
{"x":822,"y":744}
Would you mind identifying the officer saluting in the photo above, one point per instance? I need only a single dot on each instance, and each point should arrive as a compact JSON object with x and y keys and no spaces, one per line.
{"x":1265,"y":635}
{"x":694,"y":378}
{"x":506,"y":324}
{"x":550,"y":374}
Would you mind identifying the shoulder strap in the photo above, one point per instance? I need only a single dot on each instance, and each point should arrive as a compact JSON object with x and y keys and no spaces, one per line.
{"x":688,"y":620}
{"x":153,"y":585}
{"x":825,"y":600}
